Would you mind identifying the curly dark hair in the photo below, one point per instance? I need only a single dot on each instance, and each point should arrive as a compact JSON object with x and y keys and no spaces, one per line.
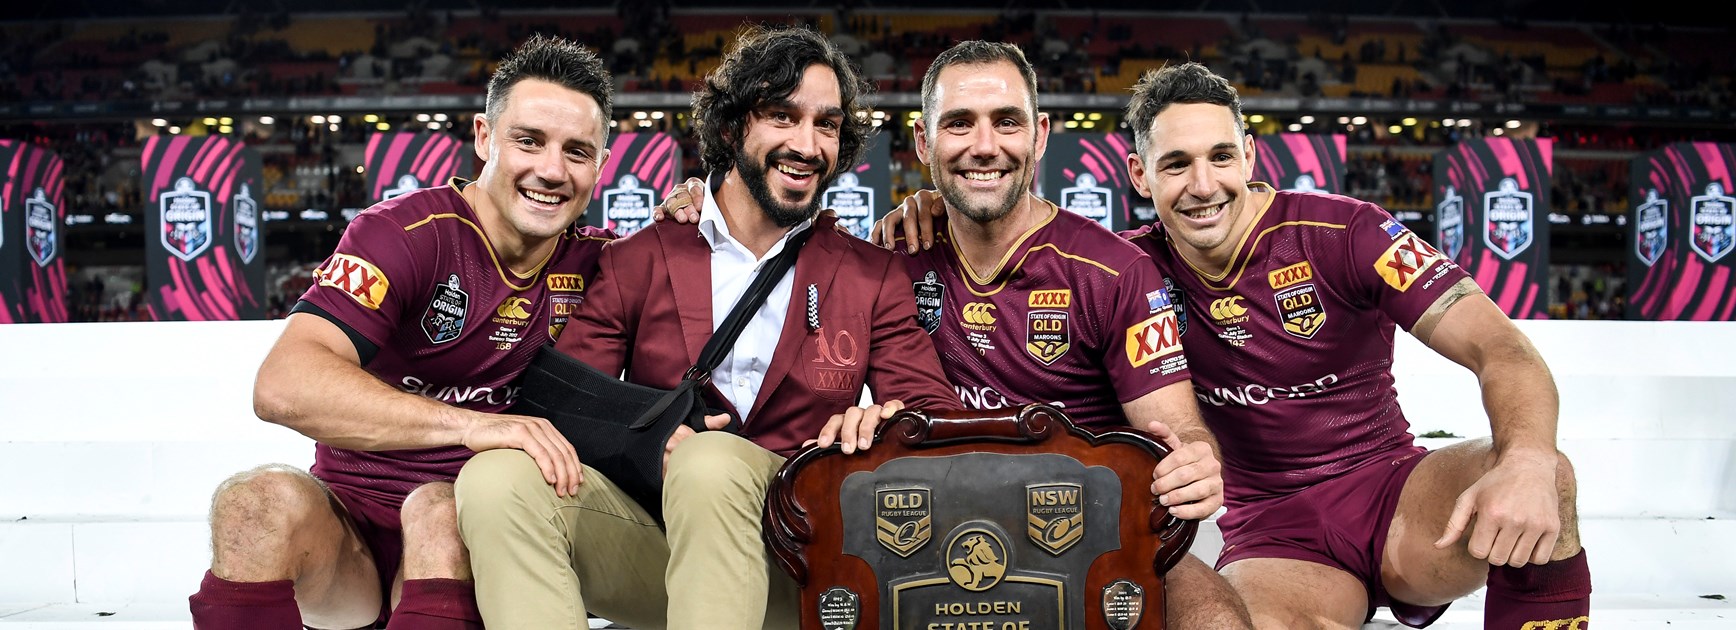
{"x":556,"y":60}
{"x":1187,"y":83}
{"x":766,"y":64}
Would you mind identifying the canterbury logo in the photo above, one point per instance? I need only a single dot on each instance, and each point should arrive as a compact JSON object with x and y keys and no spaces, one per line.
{"x":1575,"y":623}
{"x":978,"y":315}
{"x":1228,"y":308}
{"x":513,"y":308}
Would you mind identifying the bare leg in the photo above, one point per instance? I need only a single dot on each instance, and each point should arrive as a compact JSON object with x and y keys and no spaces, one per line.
{"x":277,"y":522}
{"x":1285,"y":594}
{"x":1197,"y":597}
{"x":1413,"y":570}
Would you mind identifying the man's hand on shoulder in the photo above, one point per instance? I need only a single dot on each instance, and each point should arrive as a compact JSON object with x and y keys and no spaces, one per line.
{"x":1517,"y":508}
{"x":537,"y":438}
{"x":914,"y":219}
{"x":682,"y":203}
{"x":1190,"y":481}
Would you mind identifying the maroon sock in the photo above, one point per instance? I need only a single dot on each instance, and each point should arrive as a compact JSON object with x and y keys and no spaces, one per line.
{"x":224,"y":605}
{"x":437,"y":604}
{"x":1554,"y":595}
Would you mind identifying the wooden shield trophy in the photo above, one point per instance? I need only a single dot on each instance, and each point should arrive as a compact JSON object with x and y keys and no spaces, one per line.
{"x":973,"y":520}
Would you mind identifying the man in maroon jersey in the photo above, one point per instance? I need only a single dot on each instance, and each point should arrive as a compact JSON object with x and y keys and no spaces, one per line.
{"x":1027,"y":303}
{"x":780,"y":116}
{"x":1294,"y":298}
{"x":1333,"y":511}
{"x":398,"y":361}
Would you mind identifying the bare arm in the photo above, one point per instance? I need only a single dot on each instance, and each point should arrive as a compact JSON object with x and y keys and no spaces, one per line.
{"x":312,"y":381}
{"x":1516,"y":501}
{"x":1518,"y":390}
{"x":1190,"y":481}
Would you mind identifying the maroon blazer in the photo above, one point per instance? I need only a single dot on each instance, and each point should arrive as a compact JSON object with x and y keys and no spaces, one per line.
{"x":649,"y":313}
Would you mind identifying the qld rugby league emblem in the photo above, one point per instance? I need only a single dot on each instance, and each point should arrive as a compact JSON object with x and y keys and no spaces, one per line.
{"x":903,"y":521}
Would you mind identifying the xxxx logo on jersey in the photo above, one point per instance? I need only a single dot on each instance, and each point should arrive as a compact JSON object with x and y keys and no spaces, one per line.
{"x":355,"y":277}
{"x":1408,"y":258}
{"x":1156,"y":337}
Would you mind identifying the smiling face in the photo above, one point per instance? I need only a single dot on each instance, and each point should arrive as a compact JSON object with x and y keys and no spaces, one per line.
{"x":1195,"y":169}
{"x":789,"y":147}
{"x":542,"y":153}
{"x":985,"y":141}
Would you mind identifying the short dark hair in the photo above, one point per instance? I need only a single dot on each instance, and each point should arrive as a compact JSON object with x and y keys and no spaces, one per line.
{"x":1187,"y":83}
{"x":766,"y":64}
{"x":973,"y":52}
{"x":556,"y":60}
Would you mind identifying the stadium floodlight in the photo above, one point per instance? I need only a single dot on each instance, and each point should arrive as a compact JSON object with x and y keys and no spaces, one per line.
{"x":423,"y":118}
{"x":1072,"y":124}
{"x":210,"y":122}
{"x":333,"y":127}
{"x":267,"y":120}
{"x":1499,"y":131}
{"x":225,"y":129}
{"x":1464,"y":122}
{"x":657,"y":115}
{"x":1095,"y":116}
{"x":225,"y":121}
{"x":1295,"y":126}
{"x":433,"y":125}
{"x":1449,"y":122}
{"x":1409,"y":122}
{"x":1078,"y":115}
{"x":640,"y":115}
{"x":373,"y":118}
{"x":158,"y":122}
{"x":316,"y":119}
{"x":1257,"y":119}
{"x":1359,"y":120}
{"x":440,"y":117}
{"x":383,"y":126}
{"x":1306,"y":120}
{"x":1395,"y":130}
{"x":1512,"y":124}
{"x":175,"y":129}
{"x":1343,"y":120}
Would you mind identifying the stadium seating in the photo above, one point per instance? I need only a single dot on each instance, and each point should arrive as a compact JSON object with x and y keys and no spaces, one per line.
{"x":115,"y":435}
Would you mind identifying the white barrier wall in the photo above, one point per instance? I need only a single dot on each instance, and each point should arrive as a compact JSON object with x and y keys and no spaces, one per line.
{"x":112,"y":437}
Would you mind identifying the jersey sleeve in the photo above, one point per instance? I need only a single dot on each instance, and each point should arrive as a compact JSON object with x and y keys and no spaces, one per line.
{"x":1142,"y":350}
{"x":365,"y":284}
{"x":1394,"y":269}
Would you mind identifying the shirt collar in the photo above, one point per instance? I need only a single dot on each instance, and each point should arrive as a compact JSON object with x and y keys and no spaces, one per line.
{"x":716,"y":230}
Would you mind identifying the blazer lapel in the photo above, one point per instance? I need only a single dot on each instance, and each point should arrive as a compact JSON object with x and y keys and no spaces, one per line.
{"x":816,"y":266}
{"x":689,"y":267}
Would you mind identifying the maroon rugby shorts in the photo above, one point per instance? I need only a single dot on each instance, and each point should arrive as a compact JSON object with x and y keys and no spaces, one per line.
{"x":1340,"y":523}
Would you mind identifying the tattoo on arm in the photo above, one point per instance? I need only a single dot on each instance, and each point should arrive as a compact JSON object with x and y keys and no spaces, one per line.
{"x":1425,"y":326}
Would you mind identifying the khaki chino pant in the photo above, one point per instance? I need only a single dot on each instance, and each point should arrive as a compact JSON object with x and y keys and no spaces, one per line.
{"x":541,"y":561}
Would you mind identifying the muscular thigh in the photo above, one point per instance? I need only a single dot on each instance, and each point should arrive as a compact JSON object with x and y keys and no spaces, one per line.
{"x":1412,"y":569}
{"x":1286,"y":594}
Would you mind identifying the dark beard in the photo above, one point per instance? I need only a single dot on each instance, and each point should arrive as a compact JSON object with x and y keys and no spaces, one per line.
{"x":781,"y":212}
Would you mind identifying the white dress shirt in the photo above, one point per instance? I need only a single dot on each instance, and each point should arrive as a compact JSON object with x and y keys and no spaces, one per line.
{"x":733,"y":267}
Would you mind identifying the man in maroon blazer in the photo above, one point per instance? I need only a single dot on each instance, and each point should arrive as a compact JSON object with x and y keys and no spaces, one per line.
{"x":777,"y":120}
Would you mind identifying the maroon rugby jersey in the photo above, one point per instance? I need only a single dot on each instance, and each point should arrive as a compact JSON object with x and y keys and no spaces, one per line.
{"x":417,"y":279}
{"x":1072,"y":315}
{"x":1291,"y":347}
